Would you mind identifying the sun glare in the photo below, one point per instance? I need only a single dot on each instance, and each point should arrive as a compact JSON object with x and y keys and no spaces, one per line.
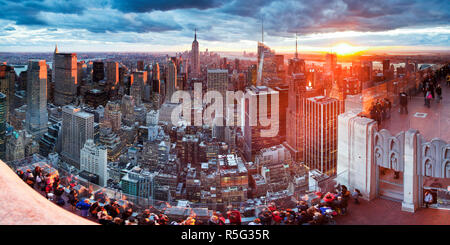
{"x":346,"y":49}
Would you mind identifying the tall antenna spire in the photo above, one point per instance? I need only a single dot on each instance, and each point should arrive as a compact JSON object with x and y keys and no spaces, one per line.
{"x":195,"y":37}
{"x":296,"y":53}
{"x":262,"y":29}
{"x":56,"y":49}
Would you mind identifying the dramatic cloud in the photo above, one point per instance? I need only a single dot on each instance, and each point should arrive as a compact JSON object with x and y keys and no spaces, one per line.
{"x":140,"y":6}
{"x":220,"y":21}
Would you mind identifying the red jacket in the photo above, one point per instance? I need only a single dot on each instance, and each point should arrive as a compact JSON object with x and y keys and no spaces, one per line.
{"x":234,"y":217}
{"x":276,"y":218}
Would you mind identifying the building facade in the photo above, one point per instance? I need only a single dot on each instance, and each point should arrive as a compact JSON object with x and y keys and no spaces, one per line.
{"x":321,"y":133}
{"x":65,"y":78}
{"x":77,"y":128}
{"x":3,"y":112}
{"x":195,"y":58}
{"x":93,"y":159}
{"x":37,"y":116}
{"x":399,"y":167}
{"x":7,"y":86}
{"x":112,"y":73}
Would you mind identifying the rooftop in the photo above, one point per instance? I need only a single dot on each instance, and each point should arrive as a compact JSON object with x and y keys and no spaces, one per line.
{"x":432,"y":122}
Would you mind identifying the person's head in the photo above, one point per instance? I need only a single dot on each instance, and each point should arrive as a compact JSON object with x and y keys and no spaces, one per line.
{"x":117,"y":220}
{"x":214,"y":218}
{"x":86,"y":200}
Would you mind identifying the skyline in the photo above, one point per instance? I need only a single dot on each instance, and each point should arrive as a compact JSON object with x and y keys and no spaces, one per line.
{"x":235,"y":26}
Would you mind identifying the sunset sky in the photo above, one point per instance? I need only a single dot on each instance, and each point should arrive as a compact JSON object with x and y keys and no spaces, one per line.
{"x":148,"y":26}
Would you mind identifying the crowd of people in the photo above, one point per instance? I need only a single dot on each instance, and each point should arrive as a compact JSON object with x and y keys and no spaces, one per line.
{"x":99,"y":208}
{"x":430,"y":87}
{"x":380,"y":110}
{"x":320,"y":211}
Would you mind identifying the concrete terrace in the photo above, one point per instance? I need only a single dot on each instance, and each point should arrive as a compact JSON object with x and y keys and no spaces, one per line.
{"x":433,"y":122}
{"x":384,"y":212}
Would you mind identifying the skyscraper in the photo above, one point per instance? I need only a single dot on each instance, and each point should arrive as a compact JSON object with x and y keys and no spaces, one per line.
{"x":93,"y":159}
{"x":195,"y":57}
{"x":127,"y":109}
{"x":98,"y":71}
{"x":254,"y":140}
{"x":171,"y":81}
{"x":37,"y":116}
{"x":386,"y":69}
{"x":217,"y":80}
{"x":295,"y":115}
{"x":296,"y":65}
{"x":65,"y":78}
{"x":77,"y":127}
{"x":140,"y":65}
{"x":113,"y":115}
{"x":137,"y":86}
{"x":81,"y":67}
{"x":112,"y":73}
{"x":3,"y":111}
{"x":321,"y":133}
{"x":7,"y":86}
{"x":330,"y":62}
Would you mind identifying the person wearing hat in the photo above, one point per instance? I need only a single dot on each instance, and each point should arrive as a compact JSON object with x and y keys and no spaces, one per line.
{"x":20,"y":173}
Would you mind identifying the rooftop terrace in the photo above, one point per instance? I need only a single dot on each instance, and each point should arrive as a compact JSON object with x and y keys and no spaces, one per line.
{"x":433,"y":122}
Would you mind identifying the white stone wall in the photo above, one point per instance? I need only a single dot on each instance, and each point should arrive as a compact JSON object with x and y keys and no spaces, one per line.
{"x":362,"y":148}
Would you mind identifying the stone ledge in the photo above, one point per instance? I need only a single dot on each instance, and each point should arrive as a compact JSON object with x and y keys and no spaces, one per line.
{"x":21,"y":205}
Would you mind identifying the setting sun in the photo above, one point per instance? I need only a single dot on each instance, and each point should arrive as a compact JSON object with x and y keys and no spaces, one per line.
{"x":346,"y":49}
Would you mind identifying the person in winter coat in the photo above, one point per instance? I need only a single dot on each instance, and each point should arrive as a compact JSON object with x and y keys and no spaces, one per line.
{"x":302,"y":206}
{"x":58,"y":193}
{"x":403,"y":102}
{"x":84,"y":207}
{"x":234,"y":217}
{"x":328,"y":199}
{"x":439,"y":93}
{"x":356,"y":194}
{"x":93,"y":210}
{"x":345,"y":194}
{"x":21,"y":174}
{"x":428,"y":199}
{"x":276,"y":218}
{"x":213,"y":220}
{"x":266,"y":217}
{"x":127,"y":214}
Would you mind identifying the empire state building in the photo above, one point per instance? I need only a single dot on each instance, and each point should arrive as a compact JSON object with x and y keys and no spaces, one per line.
{"x":195,"y":57}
